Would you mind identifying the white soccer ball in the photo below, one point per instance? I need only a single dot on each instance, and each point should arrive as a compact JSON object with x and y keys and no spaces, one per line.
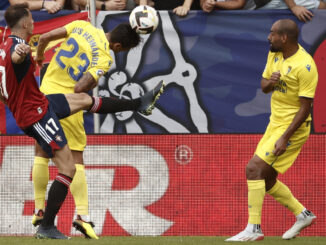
{"x":144,"y":19}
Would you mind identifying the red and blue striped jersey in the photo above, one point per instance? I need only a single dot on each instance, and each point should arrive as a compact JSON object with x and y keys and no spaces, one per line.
{"x":18,"y":87}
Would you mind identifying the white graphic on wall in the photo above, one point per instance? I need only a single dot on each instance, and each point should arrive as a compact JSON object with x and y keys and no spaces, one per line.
{"x":127,"y":207}
{"x":182,"y":74}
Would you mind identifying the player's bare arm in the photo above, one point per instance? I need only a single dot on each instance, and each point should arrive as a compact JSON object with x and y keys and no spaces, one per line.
{"x":44,"y":41}
{"x":300,"y":117}
{"x":268,"y":85}
{"x":21,"y":50}
{"x":85,"y":83}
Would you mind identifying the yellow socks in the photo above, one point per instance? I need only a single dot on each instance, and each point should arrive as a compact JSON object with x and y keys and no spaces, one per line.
{"x":284,"y":196}
{"x":256,"y":194}
{"x":40,"y":176}
{"x":78,"y":189}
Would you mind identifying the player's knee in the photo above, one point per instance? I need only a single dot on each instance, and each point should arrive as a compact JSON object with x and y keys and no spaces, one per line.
{"x":253,"y":171}
{"x":39,"y":152}
{"x":73,"y":171}
{"x":269,"y":183}
{"x":84,"y":96}
{"x":85,"y":100}
{"x":66,"y":165}
{"x":70,"y":170}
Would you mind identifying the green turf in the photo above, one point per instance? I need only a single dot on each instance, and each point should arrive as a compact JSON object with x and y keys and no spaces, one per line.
{"x":188,"y":240}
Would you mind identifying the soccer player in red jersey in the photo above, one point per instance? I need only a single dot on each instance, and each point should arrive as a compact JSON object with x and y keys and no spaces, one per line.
{"x":38,"y":115}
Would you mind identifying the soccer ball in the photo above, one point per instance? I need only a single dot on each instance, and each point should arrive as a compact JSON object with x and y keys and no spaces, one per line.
{"x":143,"y":19}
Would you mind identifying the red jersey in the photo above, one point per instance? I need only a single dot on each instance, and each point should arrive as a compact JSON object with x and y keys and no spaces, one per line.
{"x":18,"y":87}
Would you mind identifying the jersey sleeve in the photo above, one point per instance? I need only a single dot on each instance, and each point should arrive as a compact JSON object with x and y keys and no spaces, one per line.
{"x":308,"y":78}
{"x":103,"y":65}
{"x":267,"y":71}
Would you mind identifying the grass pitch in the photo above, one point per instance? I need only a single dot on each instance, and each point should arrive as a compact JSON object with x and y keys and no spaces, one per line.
{"x":168,"y":240}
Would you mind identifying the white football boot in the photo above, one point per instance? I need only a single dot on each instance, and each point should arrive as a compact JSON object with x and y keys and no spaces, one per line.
{"x":251,"y":233}
{"x":304,"y":219}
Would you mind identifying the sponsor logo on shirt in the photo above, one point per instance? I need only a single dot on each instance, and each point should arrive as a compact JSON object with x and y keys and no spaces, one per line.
{"x":281,"y":87}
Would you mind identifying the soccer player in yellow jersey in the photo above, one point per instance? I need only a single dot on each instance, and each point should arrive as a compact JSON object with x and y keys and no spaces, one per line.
{"x":291,"y":75}
{"x":82,"y":58}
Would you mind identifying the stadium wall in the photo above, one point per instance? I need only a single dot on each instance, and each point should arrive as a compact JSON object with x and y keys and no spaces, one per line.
{"x":164,"y":185}
{"x":150,"y":180}
{"x":212,"y":65}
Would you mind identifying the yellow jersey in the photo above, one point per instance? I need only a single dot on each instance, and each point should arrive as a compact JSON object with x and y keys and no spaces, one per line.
{"x":85,"y":49}
{"x":299,"y":77}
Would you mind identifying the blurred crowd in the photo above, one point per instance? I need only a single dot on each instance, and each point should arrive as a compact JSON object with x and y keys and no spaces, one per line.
{"x":300,"y":8}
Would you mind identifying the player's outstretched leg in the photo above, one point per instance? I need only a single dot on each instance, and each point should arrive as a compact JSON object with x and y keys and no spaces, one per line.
{"x":148,"y":100}
{"x":304,"y":219}
{"x":50,"y":232}
{"x":85,"y":227}
{"x":251,"y":233}
{"x":144,"y":104}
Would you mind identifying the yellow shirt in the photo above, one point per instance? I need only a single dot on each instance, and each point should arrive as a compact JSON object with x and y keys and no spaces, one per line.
{"x":299,"y":77}
{"x":85,"y":49}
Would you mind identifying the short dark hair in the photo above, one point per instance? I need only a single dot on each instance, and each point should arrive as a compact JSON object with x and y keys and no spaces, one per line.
{"x":124,"y":34}
{"x":15,"y":13}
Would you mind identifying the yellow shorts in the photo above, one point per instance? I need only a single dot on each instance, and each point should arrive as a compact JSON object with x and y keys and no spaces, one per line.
{"x":266,"y":146}
{"x":73,"y":126}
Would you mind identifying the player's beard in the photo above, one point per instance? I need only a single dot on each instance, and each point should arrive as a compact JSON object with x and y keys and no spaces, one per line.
{"x":274,"y":49}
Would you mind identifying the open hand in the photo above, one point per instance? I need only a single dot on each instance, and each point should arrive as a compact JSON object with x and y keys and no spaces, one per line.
{"x":23,"y":49}
{"x":181,"y":10}
{"x":302,"y":13}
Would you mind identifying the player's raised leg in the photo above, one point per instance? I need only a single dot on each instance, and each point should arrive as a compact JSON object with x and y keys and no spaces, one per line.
{"x":147,"y":102}
{"x":144,"y":104}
